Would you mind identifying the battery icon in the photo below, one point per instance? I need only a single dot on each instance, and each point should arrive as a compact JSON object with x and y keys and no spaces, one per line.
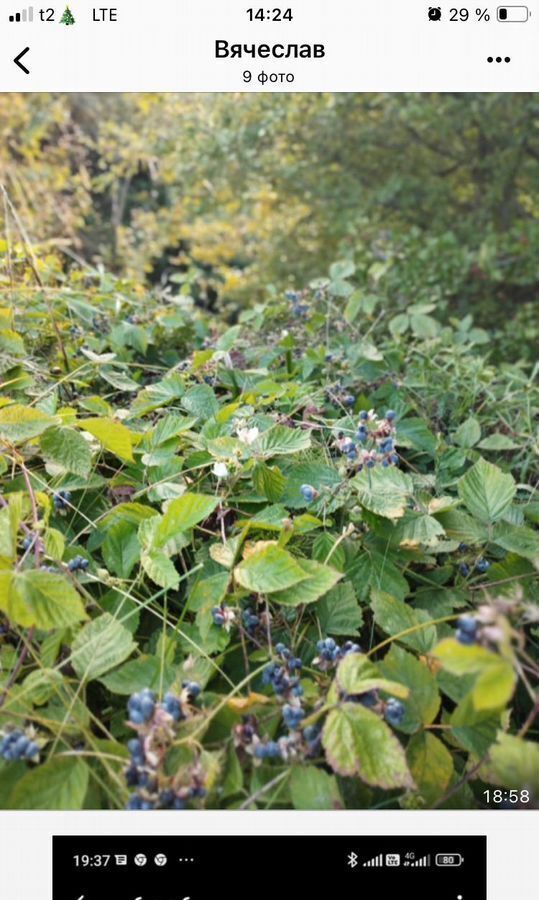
{"x":449,"y":859}
{"x":513,"y":14}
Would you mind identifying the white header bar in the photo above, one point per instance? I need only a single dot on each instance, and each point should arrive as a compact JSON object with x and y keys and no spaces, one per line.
{"x":171,"y":45}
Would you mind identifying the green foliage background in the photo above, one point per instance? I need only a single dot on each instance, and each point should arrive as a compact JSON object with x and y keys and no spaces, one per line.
{"x":192,"y":289}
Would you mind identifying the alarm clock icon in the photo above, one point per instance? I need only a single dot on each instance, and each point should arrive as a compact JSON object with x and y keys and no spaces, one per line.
{"x":435,"y":13}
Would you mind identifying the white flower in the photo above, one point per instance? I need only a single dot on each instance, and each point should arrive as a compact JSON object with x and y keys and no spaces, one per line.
{"x":248,"y":435}
{"x":220,"y":470}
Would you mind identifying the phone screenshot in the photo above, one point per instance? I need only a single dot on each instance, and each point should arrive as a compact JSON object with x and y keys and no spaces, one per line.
{"x":269,"y":449}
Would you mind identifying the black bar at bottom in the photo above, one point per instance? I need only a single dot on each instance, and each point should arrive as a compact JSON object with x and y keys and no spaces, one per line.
{"x":204,"y":868}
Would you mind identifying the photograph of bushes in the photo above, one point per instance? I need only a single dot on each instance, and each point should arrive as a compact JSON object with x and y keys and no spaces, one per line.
{"x":269,"y":444}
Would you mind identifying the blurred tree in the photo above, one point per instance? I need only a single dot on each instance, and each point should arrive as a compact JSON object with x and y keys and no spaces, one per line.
{"x":434,"y":195}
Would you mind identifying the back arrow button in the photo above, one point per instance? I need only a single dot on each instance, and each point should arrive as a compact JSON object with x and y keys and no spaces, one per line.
{"x":18,"y":62}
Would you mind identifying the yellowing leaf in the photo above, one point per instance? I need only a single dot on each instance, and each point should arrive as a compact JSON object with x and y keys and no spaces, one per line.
{"x":112,"y":435}
{"x":243,"y":704}
{"x":20,"y":423}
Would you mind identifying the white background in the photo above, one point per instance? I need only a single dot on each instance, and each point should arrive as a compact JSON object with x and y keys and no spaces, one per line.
{"x":168,"y":45}
{"x":26,"y":839}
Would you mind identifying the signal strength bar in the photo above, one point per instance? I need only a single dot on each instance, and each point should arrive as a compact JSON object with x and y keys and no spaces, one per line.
{"x":27,"y":15}
{"x":421,"y":863}
{"x":375,"y":861}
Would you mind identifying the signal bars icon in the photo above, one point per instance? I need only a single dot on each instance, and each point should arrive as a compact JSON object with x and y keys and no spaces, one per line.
{"x":375,"y":861}
{"x":26,"y":15}
{"x":419,"y":863}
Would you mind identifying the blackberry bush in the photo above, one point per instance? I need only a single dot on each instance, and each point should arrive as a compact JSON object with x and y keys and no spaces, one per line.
{"x":290,"y":562}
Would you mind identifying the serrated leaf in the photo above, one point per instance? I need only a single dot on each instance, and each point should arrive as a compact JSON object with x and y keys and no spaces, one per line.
{"x":182,"y":514}
{"x":113,"y":436}
{"x":497,"y":442}
{"x":20,"y":423}
{"x":60,"y":783}
{"x":486,"y":491}
{"x":312,"y":788}
{"x":462,"y":527}
{"x":338,"y":611}
{"x":396,"y":618}
{"x":41,"y":599}
{"x":280,"y":441}
{"x":118,"y":379}
{"x":54,"y":543}
{"x":384,"y":491}
{"x":358,"y":742}
{"x":121,"y":549}
{"x":269,"y":570}
{"x":319,"y":580}
{"x":468,"y":434}
{"x":357,"y":675}
{"x":423,"y":701}
{"x":414,"y":432}
{"x":376,"y":570}
{"x":496,"y":680}
{"x":67,"y":448}
{"x":431,"y":765}
{"x":418,"y":530}
{"x":160,"y":569}
{"x":136,"y":674}
{"x":513,"y":763}
{"x":200,"y":401}
{"x":100,"y":646}
{"x":269,"y":481}
{"x":517,"y":539}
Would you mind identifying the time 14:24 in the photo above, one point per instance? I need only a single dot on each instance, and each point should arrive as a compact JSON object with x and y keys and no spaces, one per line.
{"x":270,"y":15}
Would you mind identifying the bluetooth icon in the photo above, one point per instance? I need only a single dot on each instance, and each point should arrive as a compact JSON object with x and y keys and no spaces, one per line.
{"x":352,"y":860}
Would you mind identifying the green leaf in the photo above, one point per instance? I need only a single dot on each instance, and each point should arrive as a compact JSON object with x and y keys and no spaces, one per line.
{"x":121,"y":549}
{"x":339,"y":613}
{"x":395,"y":617}
{"x":474,"y":730}
{"x":269,"y":481}
{"x":41,"y":599}
{"x":486,"y":491}
{"x":424,"y":326}
{"x":353,"y":307}
{"x":312,"y":788}
{"x":20,"y":423}
{"x":280,"y":441}
{"x":269,"y":570}
{"x":356,"y":675}
{"x":160,"y":569}
{"x":423,"y":702}
{"x":415,"y":433}
{"x":182,"y":514}
{"x":100,"y":646}
{"x":517,"y":539}
{"x":67,"y":448}
{"x":496,"y":680}
{"x":319,"y":580}
{"x":461,"y":527}
{"x":146,"y":671}
{"x":373,"y":569}
{"x":384,"y":491}
{"x":513,"y":763}
{"x":497,"y":442}
{"x":431,"y":765}
{"x":358,"y":742}
{"x":60,"y":783}
{"x":418,"y":530}
{"x":113,"y":436}
{"x":201,"y":401}
{"x":468,"y":434}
